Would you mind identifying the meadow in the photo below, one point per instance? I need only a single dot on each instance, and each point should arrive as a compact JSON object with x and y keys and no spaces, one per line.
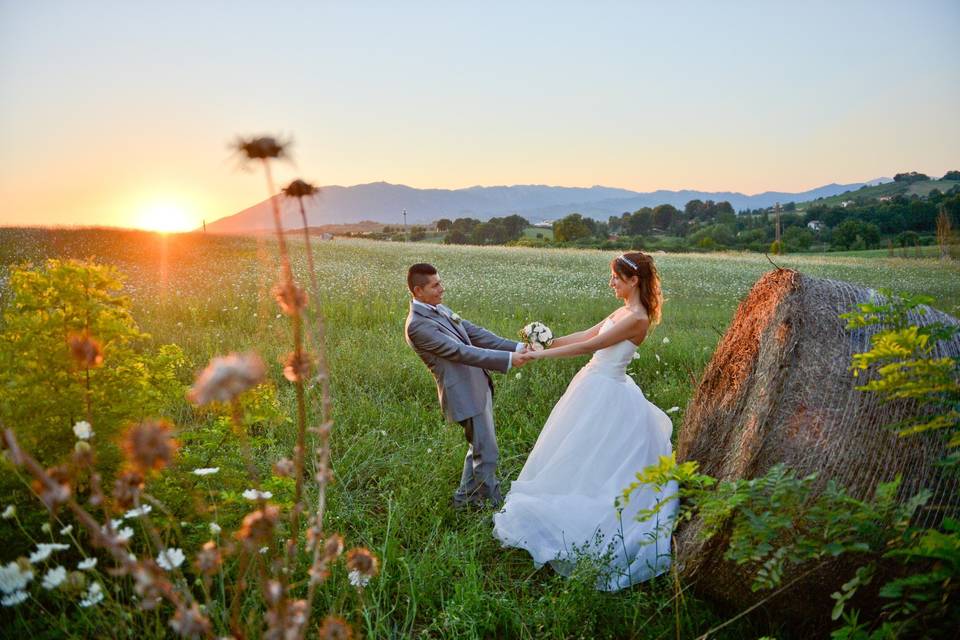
{"x":395,"y":461}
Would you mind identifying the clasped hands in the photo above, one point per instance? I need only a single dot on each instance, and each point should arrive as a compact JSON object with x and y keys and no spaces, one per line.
{"x":522,"y":357}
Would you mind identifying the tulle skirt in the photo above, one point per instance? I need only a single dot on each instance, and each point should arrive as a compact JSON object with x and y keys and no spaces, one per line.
{"x":562,"y":506}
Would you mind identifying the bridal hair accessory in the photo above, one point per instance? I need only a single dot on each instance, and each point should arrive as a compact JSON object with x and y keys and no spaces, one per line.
{"x":628,"y":261}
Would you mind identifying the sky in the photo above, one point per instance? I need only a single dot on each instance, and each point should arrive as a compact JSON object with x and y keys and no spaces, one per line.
{"x":122,"y":113}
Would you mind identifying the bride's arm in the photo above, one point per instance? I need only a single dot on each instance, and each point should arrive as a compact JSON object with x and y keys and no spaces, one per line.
{"x":579,"y":336}
{"x":628,"y":328}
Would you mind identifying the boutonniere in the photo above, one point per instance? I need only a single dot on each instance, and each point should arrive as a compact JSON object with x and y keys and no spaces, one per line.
{"x":456,"y":317}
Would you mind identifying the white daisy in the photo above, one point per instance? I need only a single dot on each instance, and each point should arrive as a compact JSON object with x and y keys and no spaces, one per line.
{"x":253,"y":494}
{"x":13,"y":578}
{"x":673,"y":409}
{"x":82,"y":430}
{"x":142,"y":510}
{"x":358,"y":579}
{"x":170,"y":559}
{"x":44,"y":549}
{"x":206,"y":471}
{"x":14,"y":598}
{"x":94,"y":595}
{"x":9,"y":512}
{"x":66,"y":530}
{"x":214,"y":529}
{"x":54,"y":578}
{"x":89,"y":563}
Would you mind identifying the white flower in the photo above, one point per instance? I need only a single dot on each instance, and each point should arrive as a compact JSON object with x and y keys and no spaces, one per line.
{"x":358,"y":579}
{"x":116,"y":524}
{"x":45,"y":527}
{"x":44,"y":549}
{"x":673,"y":409}
{"x":13,"y":578}
{"x":215,"y":529}
{"x":635,"y":356}
{"x":665,"y":340}
{"x":142,"y":510}
{"x":518,"y":376}
{"x":94,"y":595}
{"x":89,"y":563}
{"x":170,"y":559}
{"x":83,"y":430}
{"x":263,"y":550}
{"x":253,"y":494}
{"x":54,"y":578}
{"x":205,"y":471}
{"x":14,"y":598}
{"x":657,"y":356}
{"x":456,"y":317}
{"x":9,"y":512}
{"x":66,"y":530}
{"x":124,"y":534}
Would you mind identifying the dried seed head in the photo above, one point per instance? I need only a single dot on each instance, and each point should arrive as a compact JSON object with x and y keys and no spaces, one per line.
{"x":149,"y":445}
{"x":297,"y":366}
{"x":85,"y":350}
{"x":226,"y":377}
{"x":189,"y":622}
{"x":287,"y":625}
{"x":146,"y":577}
{"x":334,"y":628}
{"x":127,"y":488}
{"x":257,"y":527}
{"x":333,"y":547}
{"x":56,"y":492}
{"x":363,"y":561}
{"x":209,"y":558}
{"x":300,"y":189}
{"x":291,"y":298}
{"x":261,"y":148}
{"x":283,"y":467}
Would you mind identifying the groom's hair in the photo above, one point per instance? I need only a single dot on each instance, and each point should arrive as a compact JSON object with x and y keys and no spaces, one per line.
{"x":419,"y":274}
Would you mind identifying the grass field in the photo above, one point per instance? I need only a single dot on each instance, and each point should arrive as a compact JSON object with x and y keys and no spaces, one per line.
{"x":395,"y":460}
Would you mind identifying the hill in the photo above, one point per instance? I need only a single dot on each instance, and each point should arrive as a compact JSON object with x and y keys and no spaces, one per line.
{"x":385,"y":203}
{"x":887,"y":189}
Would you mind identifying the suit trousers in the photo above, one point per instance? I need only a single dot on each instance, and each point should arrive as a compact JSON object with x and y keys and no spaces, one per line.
{"x":479,"y":478}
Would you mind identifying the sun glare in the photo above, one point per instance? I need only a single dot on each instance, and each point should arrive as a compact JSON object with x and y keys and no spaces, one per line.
{"x":166,"y":218}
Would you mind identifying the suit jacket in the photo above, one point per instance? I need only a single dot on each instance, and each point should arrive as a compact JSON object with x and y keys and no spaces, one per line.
{"x":458,"y":355}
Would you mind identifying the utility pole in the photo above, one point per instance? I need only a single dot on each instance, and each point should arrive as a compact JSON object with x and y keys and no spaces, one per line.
{"x":204,"y":226}
{"x":776,"y":211}
{"x":405,"y":222}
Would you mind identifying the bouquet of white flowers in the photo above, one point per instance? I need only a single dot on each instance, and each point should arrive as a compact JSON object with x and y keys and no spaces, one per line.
{"x":537,"y":335}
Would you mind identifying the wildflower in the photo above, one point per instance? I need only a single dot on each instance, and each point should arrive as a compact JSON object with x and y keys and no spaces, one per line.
{"x":66,"y":530}
{"x":332,"y":548}
{"x":291,"y":298}
{"x":45,"y":527}
{"x":261,"y":148}
{"x":124,"y":535}
{"x":127,"y":488}
{"x":82,"y":430}
{"x":170,"y":559}
{"x":14,"y":598}
{"x":149,"y":445}
{"x":208,"y":559}
{"x":44,"y":549}
{"x":10,"y":512}
{"x":657,"y":356}
{"x":14,"y":577}
{"x":334,"y":628}
{"x":283,"y":467}
{"x":362,"y":565}
{"x":227,"y":377}
{"x":255,"y":494}
{"x":206,"y":471}
{"x":666,"y":340}
{"x":297,"y":366}
{"x":142,"y":510}
{"x":189,"y":622}
{"x":214,"y":529}
{"x":673,"y":409}
{"x":257,"y":527}
{"x":85,"y":350}
{"x":518,"y":376}
{"x":54,"y":578}
{"x":94,"y":595}
{"x":89,"y":563}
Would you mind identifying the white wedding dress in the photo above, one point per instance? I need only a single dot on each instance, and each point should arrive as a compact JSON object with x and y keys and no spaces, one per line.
{"x":600,"y":433}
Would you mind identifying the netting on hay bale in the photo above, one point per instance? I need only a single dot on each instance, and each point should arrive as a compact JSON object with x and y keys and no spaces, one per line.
{"x":779,"y":390}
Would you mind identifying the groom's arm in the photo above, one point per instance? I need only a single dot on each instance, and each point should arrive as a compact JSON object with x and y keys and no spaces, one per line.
{"x":487,"y":339}
{"x":443,"y":346}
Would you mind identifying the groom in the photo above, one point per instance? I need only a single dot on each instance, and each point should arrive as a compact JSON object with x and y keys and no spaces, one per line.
{"x":459,"y":354}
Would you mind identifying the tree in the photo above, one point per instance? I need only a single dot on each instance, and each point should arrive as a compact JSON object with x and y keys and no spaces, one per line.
{"x":663,"y":216}
{"x":951,"y":175}
{"x":444,"y":224}
{"x":694,"y":208}
{"x":570,"y":228}
{"x":456,"y":236}
{"x":797,"y":238}
{"x":910,"y":177}
{"x":640,"y":222}
{"x":515,"y":226}
{"x":856,"y":234}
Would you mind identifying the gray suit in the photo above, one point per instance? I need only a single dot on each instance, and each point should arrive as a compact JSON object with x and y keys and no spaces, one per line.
{"x":458,"y":355}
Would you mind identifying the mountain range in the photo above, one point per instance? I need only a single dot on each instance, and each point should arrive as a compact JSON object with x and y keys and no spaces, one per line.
{"x":384,"y":202}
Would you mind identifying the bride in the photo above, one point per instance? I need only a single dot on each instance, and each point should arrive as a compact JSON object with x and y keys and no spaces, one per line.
{"x":600,"y":433}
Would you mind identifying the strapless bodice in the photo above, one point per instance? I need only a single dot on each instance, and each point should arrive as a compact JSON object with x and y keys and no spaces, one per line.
{"x":612,"y":361}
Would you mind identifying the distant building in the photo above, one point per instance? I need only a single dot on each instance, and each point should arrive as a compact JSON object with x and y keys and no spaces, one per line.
{"x":847,"y":203}
{"x":815,"y":225}
{"x":544,"y":224}
{"x":886,"y":198}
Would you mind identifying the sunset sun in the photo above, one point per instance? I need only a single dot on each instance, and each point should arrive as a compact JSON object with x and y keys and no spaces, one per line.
{"x":164,"y":217}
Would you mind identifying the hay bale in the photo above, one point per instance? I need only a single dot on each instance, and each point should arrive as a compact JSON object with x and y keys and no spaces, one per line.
{"x":779,"y":390}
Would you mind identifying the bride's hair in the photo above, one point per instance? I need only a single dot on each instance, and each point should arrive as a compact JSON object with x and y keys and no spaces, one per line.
{"x":641,"y":265}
